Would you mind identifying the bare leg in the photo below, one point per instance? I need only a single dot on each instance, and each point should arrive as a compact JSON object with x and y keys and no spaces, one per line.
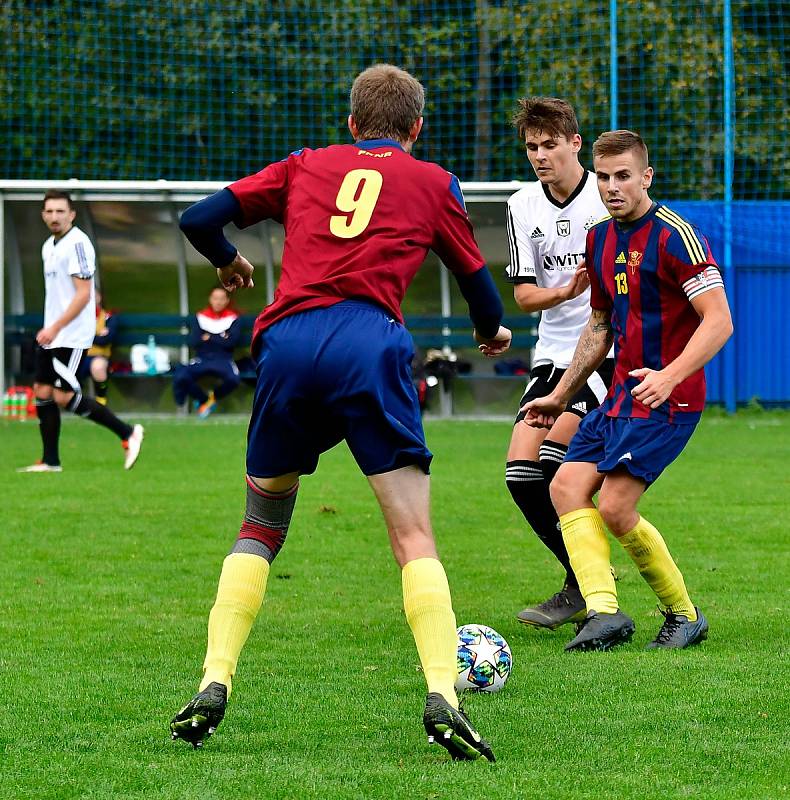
{"x":404,"y":497}
{"x":620,"y":494}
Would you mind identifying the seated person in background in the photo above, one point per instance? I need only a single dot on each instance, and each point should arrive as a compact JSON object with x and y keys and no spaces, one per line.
{"x":214,"y":334}
{"x":97,"y":361}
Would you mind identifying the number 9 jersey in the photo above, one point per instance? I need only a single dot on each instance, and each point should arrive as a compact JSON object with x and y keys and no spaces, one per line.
{"x":359,"y":220}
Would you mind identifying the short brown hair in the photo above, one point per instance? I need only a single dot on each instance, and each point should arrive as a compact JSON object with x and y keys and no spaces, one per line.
{"x":613,"y":143}
{"x":386,"y":101}
{"x":56,"y":194}
{"x":551,"y":115}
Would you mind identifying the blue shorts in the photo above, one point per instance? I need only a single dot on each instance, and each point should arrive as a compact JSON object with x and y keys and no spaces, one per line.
{"x":329,"y":374}
{"x":645,"y":447}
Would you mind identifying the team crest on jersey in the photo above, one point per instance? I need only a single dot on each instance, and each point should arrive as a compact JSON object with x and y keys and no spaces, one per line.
{"x":634,"y":260}
{"x":536,"y":234}
{"x":563,"y":227}
{"x":620,"y":259}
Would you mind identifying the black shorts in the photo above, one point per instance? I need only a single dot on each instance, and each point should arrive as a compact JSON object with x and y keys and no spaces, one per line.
{"x":58,"y":367}
{"x":544,"y":377}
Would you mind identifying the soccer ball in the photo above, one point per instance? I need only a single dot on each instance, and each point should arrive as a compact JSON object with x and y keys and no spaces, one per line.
{"x":484,"y":659}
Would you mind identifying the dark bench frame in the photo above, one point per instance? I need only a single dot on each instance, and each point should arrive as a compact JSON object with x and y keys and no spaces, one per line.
{"x":172,"y":330}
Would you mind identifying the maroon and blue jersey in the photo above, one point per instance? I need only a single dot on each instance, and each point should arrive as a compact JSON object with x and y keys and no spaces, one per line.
{"x":646,"y":274}
{"x":359,"y":220}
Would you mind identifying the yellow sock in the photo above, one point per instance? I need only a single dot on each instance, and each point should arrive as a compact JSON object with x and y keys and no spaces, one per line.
{"x":649,"y":552}
{"x":429,"y":612}
{"x":242,"y":585}
{"x":585,"y":539}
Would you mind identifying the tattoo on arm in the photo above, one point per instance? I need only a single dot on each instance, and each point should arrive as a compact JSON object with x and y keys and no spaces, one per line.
{"x":601,"y":322}
{"x":594,"y":344}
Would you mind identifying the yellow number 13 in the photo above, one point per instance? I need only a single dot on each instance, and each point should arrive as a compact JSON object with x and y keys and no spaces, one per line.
{"x":356,"y":199}
{"x":622,"y":283}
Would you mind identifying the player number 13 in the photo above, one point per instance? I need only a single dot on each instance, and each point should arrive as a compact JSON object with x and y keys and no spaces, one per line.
{"x":621,"y":281}
{"x":356,"y":199}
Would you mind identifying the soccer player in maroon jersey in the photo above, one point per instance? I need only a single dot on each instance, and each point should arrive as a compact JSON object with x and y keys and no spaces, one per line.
{"x":657,"y":293}
{"x":333,"y":362}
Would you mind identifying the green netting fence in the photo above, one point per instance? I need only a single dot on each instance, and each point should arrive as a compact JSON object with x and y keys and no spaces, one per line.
{"x":198,"y":89}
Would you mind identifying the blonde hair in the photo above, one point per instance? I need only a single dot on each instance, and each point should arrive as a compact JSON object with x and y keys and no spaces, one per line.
{"x":613,"y":143}
{"x":386,"y":101}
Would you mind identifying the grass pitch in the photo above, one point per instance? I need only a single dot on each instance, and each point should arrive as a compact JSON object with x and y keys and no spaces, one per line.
{"x":108,"y":578}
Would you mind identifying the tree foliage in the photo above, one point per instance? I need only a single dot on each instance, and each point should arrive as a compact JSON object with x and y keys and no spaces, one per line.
{"x":117,"y":89}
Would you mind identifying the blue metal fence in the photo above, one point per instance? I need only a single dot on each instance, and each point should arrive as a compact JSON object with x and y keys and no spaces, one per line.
{"x":214,"y":90}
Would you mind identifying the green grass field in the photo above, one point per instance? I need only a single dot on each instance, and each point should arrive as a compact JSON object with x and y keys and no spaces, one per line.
{"x":108,"y":577}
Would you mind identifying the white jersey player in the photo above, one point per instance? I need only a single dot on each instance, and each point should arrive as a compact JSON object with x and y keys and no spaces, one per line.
{"x":547,"y":239}
{"x":547,"y":223}
{"x":69,"y":327}
{"x":65,"y":258}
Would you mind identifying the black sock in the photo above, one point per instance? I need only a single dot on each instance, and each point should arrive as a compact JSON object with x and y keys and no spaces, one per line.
{"x":530,"y":491}
{"x":100,"y":388}
{"x":551,"y":456}
{"x":96,"y":412}
{"x":49,"y":428}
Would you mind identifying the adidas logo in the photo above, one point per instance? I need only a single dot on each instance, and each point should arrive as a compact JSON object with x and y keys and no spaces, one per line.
{"x":625,"y":457}
{"x":620,"y":259}
{"x":580,"y":407}
{"x":536,"y":234}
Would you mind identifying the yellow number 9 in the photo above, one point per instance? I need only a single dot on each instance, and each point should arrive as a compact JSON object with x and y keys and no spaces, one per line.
{"x":356,"y":198}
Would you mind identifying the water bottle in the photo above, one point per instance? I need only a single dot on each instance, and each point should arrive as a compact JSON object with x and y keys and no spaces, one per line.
{"x":16,"y":406}
{"x":30,"y":408}
{"x":150,"y":356}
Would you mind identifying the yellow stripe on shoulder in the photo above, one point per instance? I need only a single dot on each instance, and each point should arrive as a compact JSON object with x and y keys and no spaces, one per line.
{"x":693,"y":245}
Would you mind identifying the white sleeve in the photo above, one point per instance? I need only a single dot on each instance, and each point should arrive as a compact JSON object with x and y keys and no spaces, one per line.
{"x":82,"y":259}
{"x":521,"y":268}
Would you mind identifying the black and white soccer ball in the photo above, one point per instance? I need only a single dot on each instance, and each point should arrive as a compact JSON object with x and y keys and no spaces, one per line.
{"x":484,"y":659}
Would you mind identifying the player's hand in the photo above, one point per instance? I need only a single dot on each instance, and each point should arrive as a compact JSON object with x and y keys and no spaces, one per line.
{"x":579,"y":283}
{"x":237,"y":274}
{"x":542,"y":412}
{"x":46,"y":335}
{"x":497,"y":344}
{"x":655,"y":388}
